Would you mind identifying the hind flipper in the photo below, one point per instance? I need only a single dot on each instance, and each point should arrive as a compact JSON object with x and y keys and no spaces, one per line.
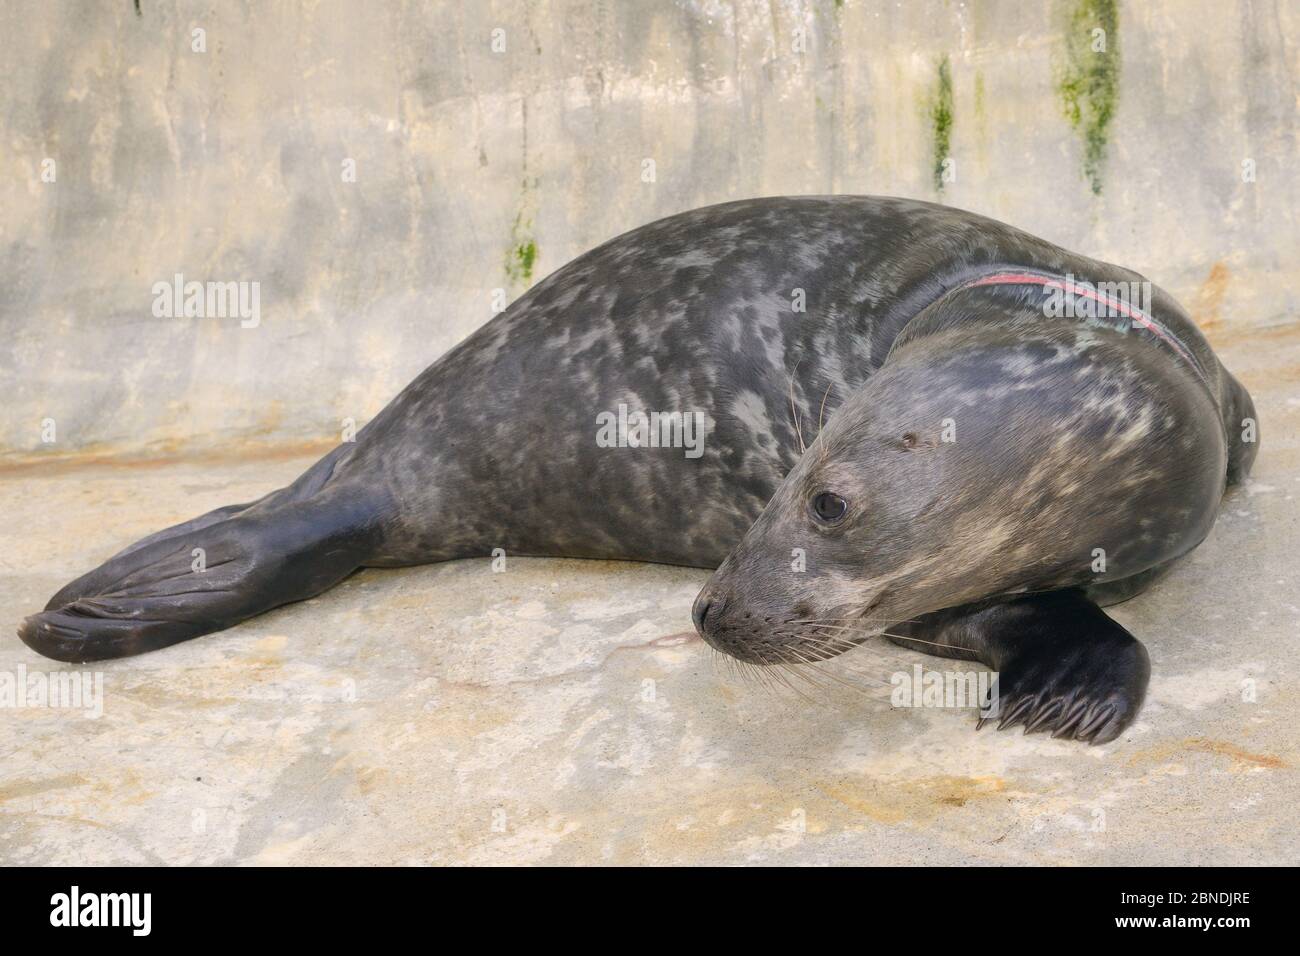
{"x":92,"y":582}
{"x":164,"y":592}
{"x":187,"y":527}
{"x":309,"y":484}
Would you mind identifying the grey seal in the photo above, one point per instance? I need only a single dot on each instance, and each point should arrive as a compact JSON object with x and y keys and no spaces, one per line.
{"x":916,"y":421}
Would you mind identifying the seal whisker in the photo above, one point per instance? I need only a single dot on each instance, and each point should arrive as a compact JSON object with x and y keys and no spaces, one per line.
{"x":771,"y":678}
{"x":806,"y":673}
{"x":871,"y":629}
{"x":782,"y":673}
{"x":840,"y":642}
{"x":835,"y":662}
{"x":834,"y":653}
{"x":856,"y":623}
{"x":821,"y":415}
{"x":833,"y":649}
{"x":794,"y":413}
{"x":783,"y":668}
{"x":795,"y":657}
{"x":872,"y":632}
{"x":756,"y":674}
{"x":830,"y":673}
{"x":792,"y":668}
{"x":904,"y":637}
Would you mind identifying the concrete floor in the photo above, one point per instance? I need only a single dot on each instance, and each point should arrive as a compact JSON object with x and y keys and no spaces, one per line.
{"x":561,"y":712}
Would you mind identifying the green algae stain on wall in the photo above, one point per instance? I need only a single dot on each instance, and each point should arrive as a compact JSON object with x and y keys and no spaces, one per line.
{"x":525,"y":256}
{"x":521,"y":256}
{"x":520,"y":260}
{"x":1088,"y":80}
{"x":941,"y":114}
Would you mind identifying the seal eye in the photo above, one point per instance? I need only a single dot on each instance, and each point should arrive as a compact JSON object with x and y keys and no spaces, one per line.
{"x":829,"y":507}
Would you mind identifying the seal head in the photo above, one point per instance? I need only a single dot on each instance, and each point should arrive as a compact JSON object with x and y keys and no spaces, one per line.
{"x":980,"y":462}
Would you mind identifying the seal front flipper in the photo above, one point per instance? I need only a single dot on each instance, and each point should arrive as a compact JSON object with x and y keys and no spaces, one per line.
{"x":206,"y":578}
{"x":1062,"y":664}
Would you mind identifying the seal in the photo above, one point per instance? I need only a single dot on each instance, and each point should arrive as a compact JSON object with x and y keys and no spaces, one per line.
{"x":917,"y":422}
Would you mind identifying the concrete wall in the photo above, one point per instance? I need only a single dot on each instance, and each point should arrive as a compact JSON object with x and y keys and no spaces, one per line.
{"x":479,"y":170}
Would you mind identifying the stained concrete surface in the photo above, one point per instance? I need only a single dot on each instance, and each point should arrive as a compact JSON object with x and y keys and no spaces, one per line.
{"x":560,"y":712}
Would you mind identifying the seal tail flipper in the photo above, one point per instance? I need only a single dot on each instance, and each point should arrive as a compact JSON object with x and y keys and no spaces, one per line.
{"x":204,"y":577}
{"x":92,"y":582}
{"x":308,"y":484}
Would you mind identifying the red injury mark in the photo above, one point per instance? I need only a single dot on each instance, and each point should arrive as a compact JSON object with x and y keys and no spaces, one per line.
{"x":1119,"y":305}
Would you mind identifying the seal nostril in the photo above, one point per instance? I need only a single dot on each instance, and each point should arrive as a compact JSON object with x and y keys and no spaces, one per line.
{"x":699,"y":612}
{"x":705,"y":611}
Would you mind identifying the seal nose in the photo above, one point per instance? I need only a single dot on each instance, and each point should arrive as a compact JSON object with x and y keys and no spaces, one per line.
{"x":705,"y":604}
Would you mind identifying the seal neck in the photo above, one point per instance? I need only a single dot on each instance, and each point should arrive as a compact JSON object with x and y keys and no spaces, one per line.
{"x":1103,"y":305}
